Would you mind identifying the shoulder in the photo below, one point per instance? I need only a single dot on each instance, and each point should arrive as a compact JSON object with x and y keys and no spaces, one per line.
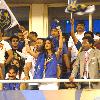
{"x":4,"y":41}
{"x":96,"y":50}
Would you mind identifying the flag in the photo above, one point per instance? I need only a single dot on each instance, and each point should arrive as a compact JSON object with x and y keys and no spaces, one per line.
{"x":79,"y":9}
{"x":7,"y":19}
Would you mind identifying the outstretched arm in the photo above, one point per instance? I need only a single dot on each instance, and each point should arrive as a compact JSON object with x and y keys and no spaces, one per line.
{"x":60,"y":44}
{"x":72,"y":32}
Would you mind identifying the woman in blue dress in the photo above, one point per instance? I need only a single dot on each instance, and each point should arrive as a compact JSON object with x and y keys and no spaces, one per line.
{"x":51,"y":63}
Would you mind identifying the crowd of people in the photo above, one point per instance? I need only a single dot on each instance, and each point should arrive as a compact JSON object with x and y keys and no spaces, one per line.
{"x":25,"y":56}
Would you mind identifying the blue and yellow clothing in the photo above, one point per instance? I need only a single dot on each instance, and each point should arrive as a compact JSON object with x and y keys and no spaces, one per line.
{"x":56,"y":45}
{"x":11,"y":86}
{"x":51,"y":67}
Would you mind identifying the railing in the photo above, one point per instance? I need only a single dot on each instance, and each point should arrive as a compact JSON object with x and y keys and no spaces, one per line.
{"x":48,"y":80}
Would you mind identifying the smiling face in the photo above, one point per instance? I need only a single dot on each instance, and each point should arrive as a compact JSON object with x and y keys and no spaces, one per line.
{"x":12,"y":74}
{"x":14,"y":42}
{"x":54,"y":32}
{"x":48,"y":45}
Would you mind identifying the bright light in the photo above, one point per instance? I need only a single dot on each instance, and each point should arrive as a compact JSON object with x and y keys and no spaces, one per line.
{"x":67,"y":22}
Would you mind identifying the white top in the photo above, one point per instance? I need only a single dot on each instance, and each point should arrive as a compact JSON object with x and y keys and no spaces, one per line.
{"x":4,"y":46}
{"x":96,"y":37}
{"x":74,"y":50}
{"x":32,"y":60}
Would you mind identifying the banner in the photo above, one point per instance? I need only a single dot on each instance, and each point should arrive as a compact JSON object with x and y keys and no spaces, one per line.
{"x":7,"y":19}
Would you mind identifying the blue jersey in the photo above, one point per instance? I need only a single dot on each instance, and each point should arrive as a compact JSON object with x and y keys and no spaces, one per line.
{"x":56,"y":45}
{"x":51,"y":67}
{"x":39,"y":67}
{"x":11,"y":86}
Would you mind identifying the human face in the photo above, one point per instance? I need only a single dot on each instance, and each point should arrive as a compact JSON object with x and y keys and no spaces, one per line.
{"x":88,"y":35}
{"x":12,"y":74}
{"x":15,"y":62}
{"x":86,"y":45}
{"x":33,"y":37}
{"x":47,"y":45}
{"x":39,"y":44}
{"x":14,"y":42}
{"x":20,"y":35}
{"x":54,"y":32}
{"x":80,"y":28}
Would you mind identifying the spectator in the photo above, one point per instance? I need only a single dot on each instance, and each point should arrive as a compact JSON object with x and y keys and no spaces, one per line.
{"x":4,"y":47}
{"x":87,"y":62}
{"x":12,"y":72}
{"x":80,"y":28}
{"x":38,"y":54}
{"x":21,"y":42}
{"x":14,"y":44}
{"x":51,"y":64}
{"x":33,"y":37}
{"x":63,"y":59}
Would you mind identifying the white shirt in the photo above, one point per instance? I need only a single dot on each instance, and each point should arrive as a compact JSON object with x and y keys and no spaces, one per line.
{"x":74,"y":50}
{"x":4,"y":46}
{"x":96,"y":37}
{"x":32,"y":60}
{"x":29,"y":59}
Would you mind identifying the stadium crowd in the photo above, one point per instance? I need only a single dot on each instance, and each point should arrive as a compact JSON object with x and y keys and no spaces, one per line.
{"x":25,"y":56}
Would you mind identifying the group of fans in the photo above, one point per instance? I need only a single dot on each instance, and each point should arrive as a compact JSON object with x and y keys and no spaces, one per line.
{"x":26,"y":56}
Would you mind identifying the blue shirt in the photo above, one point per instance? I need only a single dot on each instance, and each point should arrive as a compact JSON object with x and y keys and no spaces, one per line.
{"x":11,"y":86}
{"x":39,"y":67}
{"x":51,"y":67}
{"x":21,"y":44}
{"x":56,"y":45}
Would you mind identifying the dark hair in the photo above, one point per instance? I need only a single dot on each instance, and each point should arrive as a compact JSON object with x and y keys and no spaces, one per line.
{"x":89,"y":32}
{"x":13,"y":67}
{"x":14,"y":37}
{"x":20,"y":69}
{"x":90,"y":39}
{"x":97,"y":33}
{"x":34,"y":33}
{"x":81,"y":22}
{"x":52,"y":45}
{"x":41,"y":49}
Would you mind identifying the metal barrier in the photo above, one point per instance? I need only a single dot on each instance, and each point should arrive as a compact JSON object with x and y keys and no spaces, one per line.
{"x":48,"y":80}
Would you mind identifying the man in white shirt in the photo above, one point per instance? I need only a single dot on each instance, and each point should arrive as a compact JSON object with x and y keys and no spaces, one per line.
{"x":4,"y":47}
{"x":79,"y":34}
{"x":78,"y":37}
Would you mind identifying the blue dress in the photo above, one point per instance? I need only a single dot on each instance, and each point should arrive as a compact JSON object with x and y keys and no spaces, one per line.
{"x":51,"y":67}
